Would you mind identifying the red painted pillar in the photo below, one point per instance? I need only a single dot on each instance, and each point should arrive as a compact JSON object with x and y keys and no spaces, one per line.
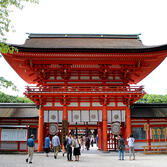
{"x":65,"y":114}
{"x":65,"y":120}
{"x":128,"y":122}
{"x":64,"y":125}
{"x":99,"y":135}
{"x":105,"y":128}
{"x":149,"y":137}
{"x":40,"y":129}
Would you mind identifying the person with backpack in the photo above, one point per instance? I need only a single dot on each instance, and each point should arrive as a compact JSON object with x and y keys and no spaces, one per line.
{"x":121,"y":146}
{"x":131,"y":141}
{"x":76,"y":145}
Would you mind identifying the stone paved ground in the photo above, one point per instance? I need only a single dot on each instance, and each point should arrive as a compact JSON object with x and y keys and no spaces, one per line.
{"x":92,"y":158}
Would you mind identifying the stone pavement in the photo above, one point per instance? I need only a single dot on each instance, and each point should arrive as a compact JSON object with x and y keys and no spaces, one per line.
{"x":92,"y":158}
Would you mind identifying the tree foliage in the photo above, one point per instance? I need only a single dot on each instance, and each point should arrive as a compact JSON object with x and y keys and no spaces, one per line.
{"x":5,"y":26}
{"x":153,"y":98}
{"x":4,"y":98}
{"x":5,"y":22}
{"x":5,"y":83}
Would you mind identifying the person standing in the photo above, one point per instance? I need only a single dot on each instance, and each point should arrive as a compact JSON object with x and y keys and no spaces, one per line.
{"x":65,"y":145}
{"x":30,"y":144}
{"x":76,"y":144}
{"x":131,"y":141}
{"x":121,"y":146}
{"x":47,"y":145}
{"x":87,"y":142}
{"x":69,"y":148}
{"x":56,"y":144}
{"x":82,"y":142}
{"x":92,"y":141}
{"x":97,"y":140}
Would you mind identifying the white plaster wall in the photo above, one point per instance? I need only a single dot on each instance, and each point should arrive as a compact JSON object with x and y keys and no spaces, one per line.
{"x":96,"y":104}
{"x":82,"y":104}
{"x":93,"y":116}
{"x":46,"y":119}
{"x":85,"y":115}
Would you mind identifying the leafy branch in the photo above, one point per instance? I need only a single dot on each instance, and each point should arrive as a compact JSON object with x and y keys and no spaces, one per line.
{"x":5,"y":22}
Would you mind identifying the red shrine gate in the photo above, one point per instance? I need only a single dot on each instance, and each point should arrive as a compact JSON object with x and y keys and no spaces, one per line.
{"x":84,"y":80}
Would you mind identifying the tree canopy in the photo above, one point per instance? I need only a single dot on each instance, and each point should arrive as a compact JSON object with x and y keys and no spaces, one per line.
{"x":148,"y":98}
{"x":153,"y":98}
{"x":4,"y":98}
{"x":5,"y":22}
{"x":5,"y":26}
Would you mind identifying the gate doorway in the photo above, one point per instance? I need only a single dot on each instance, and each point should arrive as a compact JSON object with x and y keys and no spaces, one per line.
{"x":112,"y":142}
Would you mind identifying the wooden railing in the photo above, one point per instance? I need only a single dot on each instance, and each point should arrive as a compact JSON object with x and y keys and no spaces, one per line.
{"x":155,"y":149}
{"x":92,"y":89}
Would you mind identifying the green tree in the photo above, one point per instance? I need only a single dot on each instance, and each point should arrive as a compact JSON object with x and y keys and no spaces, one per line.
{"x":5,"y":26}
{"x":5,"y":83}
{"x":5,"y":22}
{"x":152,"y":98}
{"x":13,"y":99}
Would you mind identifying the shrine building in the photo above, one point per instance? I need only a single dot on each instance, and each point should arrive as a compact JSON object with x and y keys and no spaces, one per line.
{"x":85,"y":81}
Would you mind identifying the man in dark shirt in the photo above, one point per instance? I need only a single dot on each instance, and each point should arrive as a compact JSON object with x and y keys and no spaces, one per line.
{"x":121,"y":146}
{"x":69,"y":148}
{"x":30,"y":144}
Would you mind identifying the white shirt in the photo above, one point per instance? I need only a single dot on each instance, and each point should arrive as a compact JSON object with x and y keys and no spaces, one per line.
{"x":131,"y":141}
{"x":76,"y":143}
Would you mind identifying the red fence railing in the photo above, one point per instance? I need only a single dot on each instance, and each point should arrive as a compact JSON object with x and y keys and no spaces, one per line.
{"x":82,"y":89}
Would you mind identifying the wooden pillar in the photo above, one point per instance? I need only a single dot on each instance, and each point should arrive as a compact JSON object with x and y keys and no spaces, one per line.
{"x":65,"y":113}
{"x":100,"y":135}
{"x":64,"y":125}
{"x":40,"y":129}
{"x":149,"y":137}
{"x":128,"y":121}
{"x":105,"y":128}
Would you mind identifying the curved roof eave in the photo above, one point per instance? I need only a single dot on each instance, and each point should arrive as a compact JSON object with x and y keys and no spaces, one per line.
{"x":103,"y":50}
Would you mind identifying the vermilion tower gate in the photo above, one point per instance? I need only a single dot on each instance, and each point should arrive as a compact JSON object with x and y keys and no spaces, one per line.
{"x":84,"y":78}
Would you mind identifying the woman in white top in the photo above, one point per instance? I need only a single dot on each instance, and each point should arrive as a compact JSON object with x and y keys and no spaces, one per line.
{"x":76,"y":145}
{"x":131,"y":141}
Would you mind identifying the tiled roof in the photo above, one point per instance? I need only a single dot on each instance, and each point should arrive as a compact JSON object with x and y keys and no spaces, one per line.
{"x":12,"y":110}
{"x":83,"y":41}
{"x":149,"y":111}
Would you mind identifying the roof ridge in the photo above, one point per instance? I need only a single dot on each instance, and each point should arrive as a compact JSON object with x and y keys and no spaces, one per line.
{"x":118,"y":36}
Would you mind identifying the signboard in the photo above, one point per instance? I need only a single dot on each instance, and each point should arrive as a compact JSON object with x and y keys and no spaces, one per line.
{"x":14,"y":135}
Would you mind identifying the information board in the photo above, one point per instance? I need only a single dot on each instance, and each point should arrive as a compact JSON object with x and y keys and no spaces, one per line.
{"x":14,"y":135}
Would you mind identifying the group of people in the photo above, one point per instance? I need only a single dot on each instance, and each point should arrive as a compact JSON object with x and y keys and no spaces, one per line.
{"x":86,"y":142}
{"x":70,"y":143}
{"x":74,"y":144}
{"x":121,"y":147}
